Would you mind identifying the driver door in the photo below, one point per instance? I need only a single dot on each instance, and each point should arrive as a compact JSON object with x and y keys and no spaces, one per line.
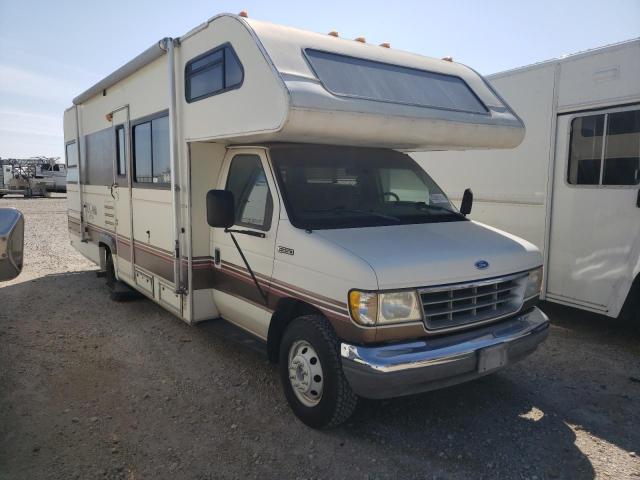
{"x":246,"y":173}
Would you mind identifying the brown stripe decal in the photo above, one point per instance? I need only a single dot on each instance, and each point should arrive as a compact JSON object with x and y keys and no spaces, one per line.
{"x":229,"y":278}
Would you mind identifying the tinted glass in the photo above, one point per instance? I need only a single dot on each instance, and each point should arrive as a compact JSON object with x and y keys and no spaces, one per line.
{"x":622,"y":149}
{"x":206,"y":81}
{"x":213,"y":73}
{"x":248,"y":183}
{"x":142,"y":152}
{"x":161,"y":159}
{"x":585,"y":150}
{"x":356,"y":77}
{"x":206,"y":61}
{"x":348,"y":187}
{"x":232,"y":68}
{"x":121,"y":155}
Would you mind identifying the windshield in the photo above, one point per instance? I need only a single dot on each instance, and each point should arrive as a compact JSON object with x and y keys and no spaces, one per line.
{"x":346,"y":187}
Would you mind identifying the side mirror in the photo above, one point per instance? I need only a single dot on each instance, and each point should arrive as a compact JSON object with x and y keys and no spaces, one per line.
{"x":220,"y":209}
{"x":467,"y":202}
{"x":11,"y":243}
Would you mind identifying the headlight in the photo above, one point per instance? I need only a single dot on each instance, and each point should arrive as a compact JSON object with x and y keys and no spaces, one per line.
{"x":398,"y":307}
{"x":534,"y":283}
{"x":371,"y":308}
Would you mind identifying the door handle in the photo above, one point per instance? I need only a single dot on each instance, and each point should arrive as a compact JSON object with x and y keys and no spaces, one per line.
{"x":638,"y":199}
{"x":111,"y":189}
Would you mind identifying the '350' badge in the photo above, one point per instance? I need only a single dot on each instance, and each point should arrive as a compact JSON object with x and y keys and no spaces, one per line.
{"x":285,"y":250}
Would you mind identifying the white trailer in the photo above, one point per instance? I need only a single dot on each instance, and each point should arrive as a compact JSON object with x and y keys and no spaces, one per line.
{"x":572,"y":187}
{"x":250,"y":172}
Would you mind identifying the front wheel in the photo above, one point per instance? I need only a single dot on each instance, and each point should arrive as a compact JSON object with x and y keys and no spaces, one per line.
{"x":311,"y":373}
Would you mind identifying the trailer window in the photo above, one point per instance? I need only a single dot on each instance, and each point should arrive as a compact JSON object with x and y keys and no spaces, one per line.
{"x":211,"y":73}
{"x":371,"y":80}
{"x":121,"y":153}
{"x":248,"y":183}
{"x":605,"y":149}
{"x":71,"y":152}
{"x":151,"y":151}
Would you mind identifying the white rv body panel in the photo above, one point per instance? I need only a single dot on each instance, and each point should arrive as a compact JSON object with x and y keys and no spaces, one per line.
{"x":590,"y":236}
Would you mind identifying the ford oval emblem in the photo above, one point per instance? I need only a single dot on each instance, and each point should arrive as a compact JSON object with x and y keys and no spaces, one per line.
{"x":482,"y":264}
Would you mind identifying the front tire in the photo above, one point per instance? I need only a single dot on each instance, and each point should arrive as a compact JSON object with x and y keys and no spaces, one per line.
{"x":311,"y":373}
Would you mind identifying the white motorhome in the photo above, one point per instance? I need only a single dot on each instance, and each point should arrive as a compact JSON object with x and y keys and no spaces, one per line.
{"x":253,"y":172}
{"x":572,"y":187}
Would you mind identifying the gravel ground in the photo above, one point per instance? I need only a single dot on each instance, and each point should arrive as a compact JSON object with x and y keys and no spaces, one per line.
{"x":90,"y":388}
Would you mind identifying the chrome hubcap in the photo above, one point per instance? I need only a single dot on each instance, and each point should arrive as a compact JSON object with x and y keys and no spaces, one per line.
{"x":305,"y":373}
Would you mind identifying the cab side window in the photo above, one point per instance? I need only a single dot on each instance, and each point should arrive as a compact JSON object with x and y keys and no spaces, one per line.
{"x":605,"y":149}
{"x":248,"y":183}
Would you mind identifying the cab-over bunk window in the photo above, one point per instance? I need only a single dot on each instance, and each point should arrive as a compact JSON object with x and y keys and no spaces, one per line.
{"x":354,"y":77}
{"x":211,"y":73}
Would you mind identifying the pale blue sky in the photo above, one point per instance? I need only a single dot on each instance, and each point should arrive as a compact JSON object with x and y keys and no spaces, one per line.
{"x":52,"y":50}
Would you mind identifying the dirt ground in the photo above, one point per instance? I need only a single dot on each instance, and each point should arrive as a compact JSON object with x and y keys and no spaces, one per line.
{"x":90,"y":388}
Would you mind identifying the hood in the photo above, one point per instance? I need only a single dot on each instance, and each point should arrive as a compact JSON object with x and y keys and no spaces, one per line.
{"x":435,"y":253}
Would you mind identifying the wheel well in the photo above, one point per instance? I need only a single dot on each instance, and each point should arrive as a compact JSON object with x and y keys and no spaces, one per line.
{"x":631,"y":304}
{"x":287,"y":310}
{"x":103,"y":248}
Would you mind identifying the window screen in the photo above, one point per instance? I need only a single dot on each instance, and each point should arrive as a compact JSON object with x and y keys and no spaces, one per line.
{"x":71,"y":152}
{"x":356,"y":77}
{"x":151,"y":151}
{"x":248,"y":183}
{"x":121,"y":152}
{"x":211,"y":73}
{"x":618,"y":163}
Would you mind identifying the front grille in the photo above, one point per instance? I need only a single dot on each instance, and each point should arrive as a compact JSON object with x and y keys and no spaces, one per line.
{"x":457,"y":305}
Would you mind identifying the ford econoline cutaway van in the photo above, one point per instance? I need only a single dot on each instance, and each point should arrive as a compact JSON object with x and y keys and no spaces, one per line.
{"x":258,"y":174}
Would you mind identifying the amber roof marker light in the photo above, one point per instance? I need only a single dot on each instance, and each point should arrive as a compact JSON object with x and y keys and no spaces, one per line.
{"x":361,"y":40}
{"x":333,"y":33}
{"x":244,"y":14}
{"x":448,"y":59}
{"x":385,"y":45}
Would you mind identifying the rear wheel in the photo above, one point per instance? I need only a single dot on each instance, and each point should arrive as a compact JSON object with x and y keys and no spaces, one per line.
{"x":311,"y":373}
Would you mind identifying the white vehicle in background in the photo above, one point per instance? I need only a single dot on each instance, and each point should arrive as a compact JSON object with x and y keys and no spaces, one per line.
{"x":572,"y":187}
{"x":54,"y":175}
{"x":250,"y":172}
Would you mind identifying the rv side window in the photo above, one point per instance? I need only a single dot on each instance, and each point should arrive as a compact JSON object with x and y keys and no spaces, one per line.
{"x":248,"y":183}
{"x":618,"y":163}
{"x":71,"y":153}
{"x":622,"y":149}
{"x":121,"y":157}
{"x":211,"y":73}
{"x":371,"y":80}
{"x":151,"y":151}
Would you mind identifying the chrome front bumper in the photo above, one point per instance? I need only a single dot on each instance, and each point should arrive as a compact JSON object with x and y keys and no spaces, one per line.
{"x":398,"y":369}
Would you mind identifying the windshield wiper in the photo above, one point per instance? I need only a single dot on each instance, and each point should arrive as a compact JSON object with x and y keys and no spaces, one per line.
{"x":423,"y":205}
{"x":352,"y":210}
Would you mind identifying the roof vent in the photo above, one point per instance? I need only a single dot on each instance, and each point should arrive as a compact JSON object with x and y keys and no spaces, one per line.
{"x":385,"y":45}
{"x":361,"y":40}
{"x":333,"y":33}
{"x":244,"y":14}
